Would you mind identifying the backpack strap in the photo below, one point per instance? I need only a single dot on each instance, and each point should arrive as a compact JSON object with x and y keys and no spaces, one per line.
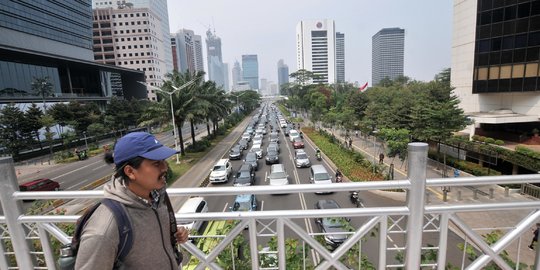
{"x":174,"y":229}
{"x":79,"y":226}
{"x":125,"y":232}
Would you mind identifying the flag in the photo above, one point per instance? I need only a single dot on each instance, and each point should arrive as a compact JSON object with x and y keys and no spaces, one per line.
{"x":363,"y":87}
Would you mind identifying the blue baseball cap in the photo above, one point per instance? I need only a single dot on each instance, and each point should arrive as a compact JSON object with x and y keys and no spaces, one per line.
{"x":140,"y":144}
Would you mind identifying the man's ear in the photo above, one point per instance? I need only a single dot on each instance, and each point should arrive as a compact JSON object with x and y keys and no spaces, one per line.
{"x":130,"y":172}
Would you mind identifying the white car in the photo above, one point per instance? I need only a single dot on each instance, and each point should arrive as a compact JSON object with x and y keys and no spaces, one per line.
{"x":193,"y":205}
{"x":293,"y":133}
{"x":246,"y":136}
{"x":278,"y":176}
{"x":221,"y":172}
{"x":258,"y":139}
{"x":256,"y":148}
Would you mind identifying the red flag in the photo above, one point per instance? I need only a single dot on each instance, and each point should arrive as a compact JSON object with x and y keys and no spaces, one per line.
{"x":363,"y":87}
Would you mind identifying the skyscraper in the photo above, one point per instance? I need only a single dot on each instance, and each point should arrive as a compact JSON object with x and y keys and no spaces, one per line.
{"x":53,"y":41}
{"x":316,"y":49}
{"x":236,"y":75}
{"x":283,"y":73}
{"x":387,"y":54}
{"x":495,"y":65}
{"x":226,"y":86}
{"x":186,"y":50}
{"x":340,"y":57}
{"x":215,"y":61}
{"x":199,"y":64}
{"x":250,"y":66}
{"x":159,"y":8}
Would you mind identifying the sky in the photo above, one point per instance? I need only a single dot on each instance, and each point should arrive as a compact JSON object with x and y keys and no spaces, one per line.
{"x":268,"y":29}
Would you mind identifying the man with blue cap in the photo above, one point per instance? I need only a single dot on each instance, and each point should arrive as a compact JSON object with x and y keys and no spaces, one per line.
{"x":139,"y":185}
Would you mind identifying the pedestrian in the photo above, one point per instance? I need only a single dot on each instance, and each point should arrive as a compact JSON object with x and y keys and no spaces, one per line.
{"x":535,"y":237}
{"x":356,"y":133}
{"x":139,"y":185}
{"x":350,"y":142}
{"x":381,"y":158}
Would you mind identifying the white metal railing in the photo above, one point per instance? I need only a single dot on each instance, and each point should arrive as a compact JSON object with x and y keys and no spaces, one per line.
{"x":420,"y":219}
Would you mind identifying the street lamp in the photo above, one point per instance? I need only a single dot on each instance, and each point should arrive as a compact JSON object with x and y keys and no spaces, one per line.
{"x":85,"y":141}
{"x":176,"y":89}
{"x":237,"y":103}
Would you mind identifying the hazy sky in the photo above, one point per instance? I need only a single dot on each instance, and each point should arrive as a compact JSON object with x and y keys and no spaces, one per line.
{"x":268,"y":28}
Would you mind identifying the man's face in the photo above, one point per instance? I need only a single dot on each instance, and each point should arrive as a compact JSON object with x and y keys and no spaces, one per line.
{"x":150,"y":175}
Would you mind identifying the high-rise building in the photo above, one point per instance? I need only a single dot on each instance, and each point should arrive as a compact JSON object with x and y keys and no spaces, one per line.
{"x":214,"y":58}
{"x":340,"y":57}
{"x":283,"y":73}
{"x":226,"y":86}
{"x":236,"y":75}
{"x":132,"y":38}
{"x":250,"y":66}
{"x":387,"y":54}
{"x":495,"y":65}
{"x":186,"y":50}
{"x":316,"y":49}
{"x":159,"y":8}
{"x":53,"y":41}
{"x":199,"y":64}
{"x":174,"y":54}
{"x":264,"y":84}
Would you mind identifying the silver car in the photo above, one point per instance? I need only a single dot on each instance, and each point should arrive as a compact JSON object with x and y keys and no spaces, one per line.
{"x":301,"y":159}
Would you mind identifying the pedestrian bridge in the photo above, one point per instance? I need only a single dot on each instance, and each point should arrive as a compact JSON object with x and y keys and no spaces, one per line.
{"x":413,"y":221}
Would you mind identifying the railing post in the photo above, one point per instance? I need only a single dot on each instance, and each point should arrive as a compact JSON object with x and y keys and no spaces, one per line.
{"x":417,"y":155}
{"x":12,"y":211}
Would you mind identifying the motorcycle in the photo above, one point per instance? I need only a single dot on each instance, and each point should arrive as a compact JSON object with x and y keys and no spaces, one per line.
{"x":339,"y":179}
{"x":355,"y":198}
{"x":318,"y":155}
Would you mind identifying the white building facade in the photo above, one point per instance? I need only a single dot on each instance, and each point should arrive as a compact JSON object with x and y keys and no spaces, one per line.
{"x":316,"y":48}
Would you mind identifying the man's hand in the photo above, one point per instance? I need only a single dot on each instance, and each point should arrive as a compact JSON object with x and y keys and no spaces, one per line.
{"x":181,"y":235}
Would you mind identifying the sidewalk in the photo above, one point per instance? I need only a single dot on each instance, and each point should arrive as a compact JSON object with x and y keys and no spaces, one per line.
{"x":481,"y":222}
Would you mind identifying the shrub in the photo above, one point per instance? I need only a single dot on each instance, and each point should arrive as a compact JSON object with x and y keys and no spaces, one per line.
{"x":481,"y":138}
{"x":499,"y":142}
{"x":476,"y":138}
{"x":527,"y":152}
{"x":489,"y":140}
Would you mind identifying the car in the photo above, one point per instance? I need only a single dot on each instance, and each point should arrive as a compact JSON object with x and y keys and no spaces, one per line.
{"x":256,"y":148}
{"x":243,"y":144}
{"x":252,"y":159}
{"x":244,"y":203}
{"x":274,"y":137}
{"x":250,"y":130}
{"x":298,"y":143}
{"x":246,"y":136}
{"x":193,"y":205}
{"x":221,"y":172}
{"x":258,"y":139}
{"x":335,"y":228}
{"x":42,"y":184}
{"x":235,"y":153}
{"x":275,"y":145}
{"x":293,"y":133}
{"x":319,"y":175}
{"x":278,"y":176}
{"x":301,"y":159}
{"x":245,"y":176}
{"x":272,"y":156}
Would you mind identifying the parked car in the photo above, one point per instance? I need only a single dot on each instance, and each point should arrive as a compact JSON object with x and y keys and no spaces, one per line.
{"x":235,"y":153}
{"x":43,"y":184}
{"x":251,"y":158}
{"x":245,"y":176}
{"x":193,"y":205}
{"x":301,"y":159}
{"x":298,"y":143}
{"x":319,"y":175}
{"x":334,"y":227}
{"x":221,"y":172}
{"x":272,"y":156}
{"x":244,"y":202}
{"x":278,"y":176}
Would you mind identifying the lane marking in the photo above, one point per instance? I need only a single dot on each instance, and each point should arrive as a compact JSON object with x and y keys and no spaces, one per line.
{"x":70,"y":172}
{"x":262,"y":205}
{"x":97,"y":168}
{"x":265,"y":177}
{"x":225,"y":208}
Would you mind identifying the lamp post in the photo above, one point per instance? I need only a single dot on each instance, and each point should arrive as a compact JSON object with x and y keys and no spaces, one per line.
{"x":176,"y":89}
{"x":237,"y":101}
{"x":85,"y":141}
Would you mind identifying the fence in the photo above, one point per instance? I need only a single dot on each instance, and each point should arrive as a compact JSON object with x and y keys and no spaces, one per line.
{"x":21,"y":228}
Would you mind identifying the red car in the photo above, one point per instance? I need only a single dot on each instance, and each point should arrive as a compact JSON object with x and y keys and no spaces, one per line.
{"x":298,"y":143}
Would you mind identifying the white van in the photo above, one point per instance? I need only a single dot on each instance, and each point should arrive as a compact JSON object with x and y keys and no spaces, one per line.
{"x":193,"y":205}
{"x":319,"y":175}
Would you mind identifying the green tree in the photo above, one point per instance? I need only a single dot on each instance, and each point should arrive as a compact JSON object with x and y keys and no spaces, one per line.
{"x":397,"y":141}
{"x":62,"y":115}
{"x":42,"y":87}
{"x":84,"y":114}
{"x":33,"y":118}
{"x":12,"y":124}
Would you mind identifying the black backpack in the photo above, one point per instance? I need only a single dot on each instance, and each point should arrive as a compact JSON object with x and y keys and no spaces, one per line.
{"x":68,"y":252}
